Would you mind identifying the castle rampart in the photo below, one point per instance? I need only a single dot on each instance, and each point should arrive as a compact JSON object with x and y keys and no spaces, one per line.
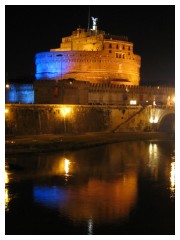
{"x":83,"y":92}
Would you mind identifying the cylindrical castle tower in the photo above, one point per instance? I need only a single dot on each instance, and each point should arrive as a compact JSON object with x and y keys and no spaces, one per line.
{"x":91,"y":56}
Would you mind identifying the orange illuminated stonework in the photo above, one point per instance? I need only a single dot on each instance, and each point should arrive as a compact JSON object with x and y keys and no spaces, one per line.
{"x":91,"y":55}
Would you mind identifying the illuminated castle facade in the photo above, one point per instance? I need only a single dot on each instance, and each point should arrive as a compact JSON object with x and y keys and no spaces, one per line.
{"x":91,"y":55}
{"x":89,"y":67}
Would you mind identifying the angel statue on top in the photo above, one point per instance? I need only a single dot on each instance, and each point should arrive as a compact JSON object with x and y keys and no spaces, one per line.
{"x":94,"y":23}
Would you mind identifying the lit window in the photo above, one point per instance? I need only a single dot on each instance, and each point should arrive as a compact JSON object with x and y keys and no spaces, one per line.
{"x":133,"y":102}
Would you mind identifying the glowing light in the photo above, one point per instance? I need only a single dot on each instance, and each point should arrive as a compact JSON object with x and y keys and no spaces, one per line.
{"x":90,"y":226}
{"x":7,"y":196}
{"x":7,"y":199}
{"x":6,"y":110}
{"x":66,"y":165}
{"x":65,"y":111}
{"x":154,"y":103}
{"x":172,"y":176}
{"x":133,"y":102}
{"x":7,"y":86}
{"x":6,"y":177}
{"x":152,"y":149}
{"x":153,"y":120}
{"x":153,"y":159}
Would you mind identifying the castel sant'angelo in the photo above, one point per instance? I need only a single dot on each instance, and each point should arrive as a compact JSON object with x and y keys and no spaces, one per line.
{"x":91,"y":55}
{"x":89,"y":67}
{"x":92,"y":67}
{"x":92,"y":80}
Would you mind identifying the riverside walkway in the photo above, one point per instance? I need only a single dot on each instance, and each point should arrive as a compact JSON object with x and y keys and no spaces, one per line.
{"x":56,"y":142}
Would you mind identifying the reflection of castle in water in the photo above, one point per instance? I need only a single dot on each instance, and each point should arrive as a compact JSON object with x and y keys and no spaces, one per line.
{"x":94,"y":185}
{"x":103,"y":201}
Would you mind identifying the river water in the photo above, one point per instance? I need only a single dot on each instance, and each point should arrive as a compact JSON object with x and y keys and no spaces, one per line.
{"x":115,"y":189}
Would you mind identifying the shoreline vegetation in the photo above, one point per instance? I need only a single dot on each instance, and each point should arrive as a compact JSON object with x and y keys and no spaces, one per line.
{"x":68,"y":142}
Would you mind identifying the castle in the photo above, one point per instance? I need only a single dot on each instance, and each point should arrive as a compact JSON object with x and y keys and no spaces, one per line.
{"x":89,"y":84}
{"x":91,"y":55}
{"x":89,"y":67}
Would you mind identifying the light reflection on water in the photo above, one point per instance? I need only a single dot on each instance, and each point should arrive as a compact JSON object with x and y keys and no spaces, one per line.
{"x":7,"y":196}
{"x":172,"y":180}
{"x":153,"y":159}
{"x":90,"y":226}
{"x":97,"y":185}
{"x":103,"y":201}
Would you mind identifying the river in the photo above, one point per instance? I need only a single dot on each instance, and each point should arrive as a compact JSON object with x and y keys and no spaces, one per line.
{"x":115,"y":189}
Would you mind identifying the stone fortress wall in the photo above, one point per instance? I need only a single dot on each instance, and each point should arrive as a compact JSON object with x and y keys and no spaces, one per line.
{"x":88,"y":66}
{"x":91,"y":56}
{"x":82,"y":92}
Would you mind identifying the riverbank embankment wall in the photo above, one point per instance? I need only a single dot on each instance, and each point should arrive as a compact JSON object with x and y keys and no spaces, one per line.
{"x":27,"y":119}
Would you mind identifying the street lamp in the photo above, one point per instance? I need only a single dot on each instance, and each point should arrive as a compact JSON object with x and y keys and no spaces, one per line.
{"x":65,"y":111}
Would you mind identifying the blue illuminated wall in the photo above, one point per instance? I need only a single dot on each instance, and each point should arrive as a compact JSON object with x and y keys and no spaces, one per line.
{"x":20,"y":93}
{"x":51,"y":65}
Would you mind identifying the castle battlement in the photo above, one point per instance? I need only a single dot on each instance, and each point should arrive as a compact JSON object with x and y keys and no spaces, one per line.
{"x":69,"y":91}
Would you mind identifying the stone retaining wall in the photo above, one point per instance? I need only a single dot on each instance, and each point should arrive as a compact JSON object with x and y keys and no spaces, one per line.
{"x":25,"y":119}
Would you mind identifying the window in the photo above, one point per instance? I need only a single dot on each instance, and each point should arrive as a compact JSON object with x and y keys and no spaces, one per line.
{"x":110,"y":45}
{"x":118,"y":55}
{"x":110,"y":51}
{"x":117,"y":47}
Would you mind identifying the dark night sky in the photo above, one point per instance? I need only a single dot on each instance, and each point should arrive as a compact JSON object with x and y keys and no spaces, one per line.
{"x":32,"y":29}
